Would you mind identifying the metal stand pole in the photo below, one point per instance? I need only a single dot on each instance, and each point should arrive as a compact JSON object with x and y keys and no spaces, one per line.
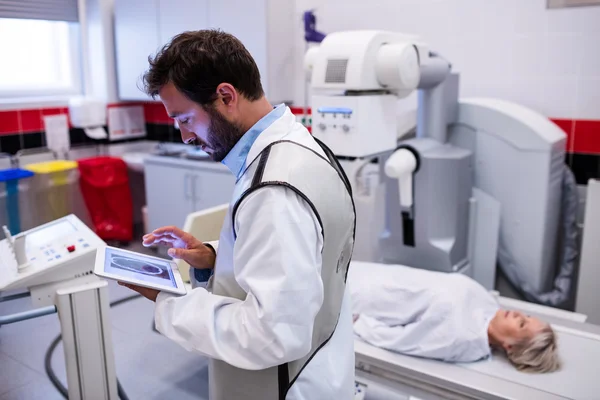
{"x":86,"y":331}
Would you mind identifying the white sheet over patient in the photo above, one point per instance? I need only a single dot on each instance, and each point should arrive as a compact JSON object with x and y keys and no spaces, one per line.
{"x":421,"y":313}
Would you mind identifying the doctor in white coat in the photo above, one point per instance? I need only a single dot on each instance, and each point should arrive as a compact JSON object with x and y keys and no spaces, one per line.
{"x":269,"y":307}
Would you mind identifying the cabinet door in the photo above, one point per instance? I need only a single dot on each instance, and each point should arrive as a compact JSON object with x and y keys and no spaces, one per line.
{"x":246,"y":20}
{"x":169,"y":195}
{"x":178,"y":16}
{"x":212,"y":188}
{"x":136,"y":37}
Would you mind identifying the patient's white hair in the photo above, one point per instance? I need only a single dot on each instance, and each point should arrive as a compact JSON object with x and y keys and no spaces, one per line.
{"x":538,"y":354}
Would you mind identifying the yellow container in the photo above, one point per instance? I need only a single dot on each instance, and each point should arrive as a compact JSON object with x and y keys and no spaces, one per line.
{"x":53,"y":190}
{"x":59,"y":170}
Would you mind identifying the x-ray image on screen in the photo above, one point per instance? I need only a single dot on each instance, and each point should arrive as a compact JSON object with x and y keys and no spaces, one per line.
{"x":139,"y":267}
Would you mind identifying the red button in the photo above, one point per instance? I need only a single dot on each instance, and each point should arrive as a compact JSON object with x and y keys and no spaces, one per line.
{"x":71,"y":248}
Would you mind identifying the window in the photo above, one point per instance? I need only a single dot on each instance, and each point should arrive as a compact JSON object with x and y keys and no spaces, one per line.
{"x":39,"y":58}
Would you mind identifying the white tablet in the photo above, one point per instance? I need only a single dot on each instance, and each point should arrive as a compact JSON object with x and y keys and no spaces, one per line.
{"x":138,"y":269}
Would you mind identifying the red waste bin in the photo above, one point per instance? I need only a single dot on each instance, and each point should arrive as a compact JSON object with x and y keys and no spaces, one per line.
{"x":105,"y":187}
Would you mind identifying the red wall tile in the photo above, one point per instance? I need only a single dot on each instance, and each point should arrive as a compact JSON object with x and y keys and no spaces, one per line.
{"x":31,"y":120}
{"x":155,"y":113}
{"x":583,"y":136}
{"x":567,"y":126}
{"x":587,"y":137}
{"x":300,"y":110}
{"x":9,"y":122}
{"x":54,"y":111}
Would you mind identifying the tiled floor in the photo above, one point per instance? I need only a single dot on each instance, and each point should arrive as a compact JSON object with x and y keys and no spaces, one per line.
{"x":148,"y":365}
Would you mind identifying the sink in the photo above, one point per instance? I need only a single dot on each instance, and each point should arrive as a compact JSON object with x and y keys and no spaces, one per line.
{"x":195,"y":153}
{"x":135,"y":160}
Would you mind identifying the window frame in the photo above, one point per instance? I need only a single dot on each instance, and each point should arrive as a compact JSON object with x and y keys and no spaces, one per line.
{"x":53,"y":94}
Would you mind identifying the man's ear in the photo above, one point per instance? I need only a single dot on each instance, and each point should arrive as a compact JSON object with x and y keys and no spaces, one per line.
{"x":227,"y":94}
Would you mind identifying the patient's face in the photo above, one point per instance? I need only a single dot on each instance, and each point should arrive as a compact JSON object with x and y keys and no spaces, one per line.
{"x":514,"y":326}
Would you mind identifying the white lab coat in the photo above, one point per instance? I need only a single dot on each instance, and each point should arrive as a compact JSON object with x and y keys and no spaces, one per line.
{"x":278,"y":264}
{"x":421,"y":313}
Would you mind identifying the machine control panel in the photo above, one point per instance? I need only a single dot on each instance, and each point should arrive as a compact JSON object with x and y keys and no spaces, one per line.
{"x":335,"y":119}
{"x":52,"y":252}
{"x":356,"y":126}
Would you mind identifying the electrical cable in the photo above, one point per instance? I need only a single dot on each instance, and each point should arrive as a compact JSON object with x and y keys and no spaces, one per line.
{"x":48,"y":359}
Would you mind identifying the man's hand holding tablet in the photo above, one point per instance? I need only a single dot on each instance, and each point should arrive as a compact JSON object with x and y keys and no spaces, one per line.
{"x":150,"y":294}
{"x":183,"y":246}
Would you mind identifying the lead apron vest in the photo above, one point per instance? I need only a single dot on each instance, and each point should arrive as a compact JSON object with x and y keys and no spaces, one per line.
{"x":322,"y":183}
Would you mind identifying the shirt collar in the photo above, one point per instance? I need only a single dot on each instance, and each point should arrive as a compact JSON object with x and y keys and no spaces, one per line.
{"x":236,"y":158}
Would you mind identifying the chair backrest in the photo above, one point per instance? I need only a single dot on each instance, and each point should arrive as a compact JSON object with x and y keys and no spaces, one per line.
{"x":204,"y":225}
{"x":32,"y":156}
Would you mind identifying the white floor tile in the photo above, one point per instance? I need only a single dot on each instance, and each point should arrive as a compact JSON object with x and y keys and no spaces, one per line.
{"x":14,"y":375}
{"x":38,"y":390}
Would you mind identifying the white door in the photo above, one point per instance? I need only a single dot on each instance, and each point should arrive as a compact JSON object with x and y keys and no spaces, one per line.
{"x":136,"y":37}
{"x":246,"y":20}
{"x":177,"y":16}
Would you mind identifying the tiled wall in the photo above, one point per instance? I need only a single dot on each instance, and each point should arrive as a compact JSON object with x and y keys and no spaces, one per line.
{"x":517,"y":50}
{"x":24,"y":129}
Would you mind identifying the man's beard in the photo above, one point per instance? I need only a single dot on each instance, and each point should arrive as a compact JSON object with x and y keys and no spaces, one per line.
{"x":222,"y":135}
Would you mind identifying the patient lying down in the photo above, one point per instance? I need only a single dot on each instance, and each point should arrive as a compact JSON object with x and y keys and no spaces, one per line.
{"x":443,"y":316}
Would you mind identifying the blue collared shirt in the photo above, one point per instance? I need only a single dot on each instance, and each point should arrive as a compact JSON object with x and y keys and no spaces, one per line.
{"x":236,"y":158}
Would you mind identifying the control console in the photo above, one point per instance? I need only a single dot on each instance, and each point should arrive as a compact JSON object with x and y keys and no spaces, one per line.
{"x":59,"y":250}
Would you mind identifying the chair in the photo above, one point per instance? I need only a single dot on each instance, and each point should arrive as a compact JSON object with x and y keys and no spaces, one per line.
{"x":204,"y":225}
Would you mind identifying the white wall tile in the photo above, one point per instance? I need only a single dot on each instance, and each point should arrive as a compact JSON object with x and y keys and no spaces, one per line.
{"x":563,"y":55}
{"x":529,"y":92}
{"x":500,"y":16}
{"x":590,"y":61}
{"x":590,"y":19}
{"x":465,"y":17}
{"x":588,"y":99}
{"x":566,"y":20}
{"x":497,"y":59}
{"x":559,"y":97}
{"x":530,"y":54}
{"x":531,"y":16}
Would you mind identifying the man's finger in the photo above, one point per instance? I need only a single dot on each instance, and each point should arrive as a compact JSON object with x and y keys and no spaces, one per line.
{"x":150,"y":240}
{"x":169,"y":230}
{"x":177,"y":253}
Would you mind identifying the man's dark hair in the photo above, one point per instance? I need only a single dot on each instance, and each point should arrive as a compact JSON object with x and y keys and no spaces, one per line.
{"x":197,"y":62}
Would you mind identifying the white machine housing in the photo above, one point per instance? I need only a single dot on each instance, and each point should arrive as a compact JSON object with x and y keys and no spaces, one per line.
{"x":48,"y":254}
{"x":344,"y":69}
{"x":518,"y":160}
{"x":365,"y":60}
{"x":55,"y":262}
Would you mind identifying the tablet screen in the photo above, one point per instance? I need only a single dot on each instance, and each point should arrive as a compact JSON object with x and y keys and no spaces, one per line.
{"x":149,"y":270}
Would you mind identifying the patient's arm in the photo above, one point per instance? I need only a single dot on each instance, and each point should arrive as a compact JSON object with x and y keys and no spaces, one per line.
{"x":424,"y":338}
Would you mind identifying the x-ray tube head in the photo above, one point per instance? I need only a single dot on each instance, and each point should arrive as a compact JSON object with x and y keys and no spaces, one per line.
{"x":361,"y":61}
{"x":397,"y":67}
